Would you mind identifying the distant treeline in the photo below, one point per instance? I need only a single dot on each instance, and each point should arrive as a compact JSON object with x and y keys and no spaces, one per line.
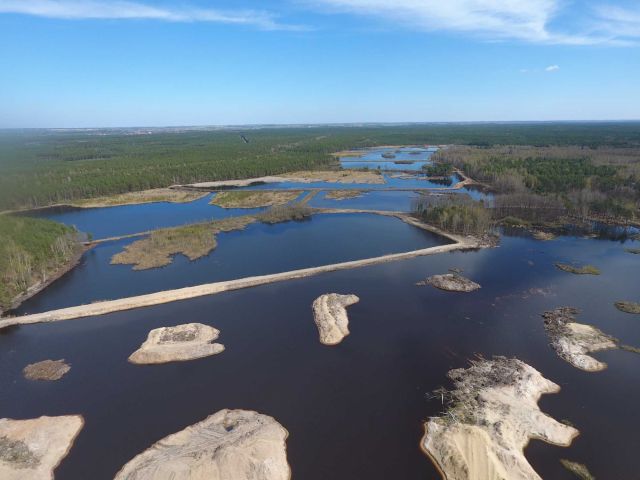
{"x":43,"y":167}
{"x":553,"y":184}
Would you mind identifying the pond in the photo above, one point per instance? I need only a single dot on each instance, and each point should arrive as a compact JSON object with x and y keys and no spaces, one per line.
{"x":404,"y":158}
{"x":127,"y":219}
{"x":354,"y":411}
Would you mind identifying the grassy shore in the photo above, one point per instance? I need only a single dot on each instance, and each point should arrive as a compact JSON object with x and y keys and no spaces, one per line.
{"x":143,"y":196}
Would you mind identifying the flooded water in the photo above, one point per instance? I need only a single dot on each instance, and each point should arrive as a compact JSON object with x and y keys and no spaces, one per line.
{"x":388,"y":201}
{"x":259,"y":249}
{"x":127,"y":219}
{"x":405,"y":158}
{"x":354,"y":411}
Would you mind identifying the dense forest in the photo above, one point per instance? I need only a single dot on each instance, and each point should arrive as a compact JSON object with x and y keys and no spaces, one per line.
{"x":31,"y":250}
{"x":44,"y":167}
{"x":555,"y":184}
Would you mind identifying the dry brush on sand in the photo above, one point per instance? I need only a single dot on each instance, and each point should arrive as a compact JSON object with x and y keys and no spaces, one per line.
{"x":491,"y":415}
{"x":231,"y":444}
{"x":574,"y":341}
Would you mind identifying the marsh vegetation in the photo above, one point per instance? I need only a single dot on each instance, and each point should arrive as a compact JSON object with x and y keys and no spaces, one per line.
{"x":253,"y":199}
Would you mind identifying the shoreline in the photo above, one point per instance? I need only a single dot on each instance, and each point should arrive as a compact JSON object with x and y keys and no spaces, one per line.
{"x":169,"y":296}
{"x":40,"y":286}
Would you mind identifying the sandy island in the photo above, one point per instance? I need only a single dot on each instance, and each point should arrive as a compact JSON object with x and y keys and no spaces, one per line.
{"x":574,"y":341}
{"x":330,"y":315}
{"x":229,"y":445}
{"x":32,"y":449}
{"x":492,"y":414}
{"x":178,"y":344}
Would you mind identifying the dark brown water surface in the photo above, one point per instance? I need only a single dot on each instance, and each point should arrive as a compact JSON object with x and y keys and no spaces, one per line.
{"x":354,"y":411}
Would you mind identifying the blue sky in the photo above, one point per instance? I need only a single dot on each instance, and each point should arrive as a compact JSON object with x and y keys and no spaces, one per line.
{"x":81,"y":63}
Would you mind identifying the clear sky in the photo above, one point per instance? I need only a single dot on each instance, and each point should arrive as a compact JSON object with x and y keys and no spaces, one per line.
{"x":86,"y":63}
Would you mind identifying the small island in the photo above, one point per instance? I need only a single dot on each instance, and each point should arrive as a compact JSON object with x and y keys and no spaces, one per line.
{"x":574,"y":341}
{"x":178,"y":344}
{"x":49,"y":370}
{"x":451,"y":282}
{"x":330,"y":315}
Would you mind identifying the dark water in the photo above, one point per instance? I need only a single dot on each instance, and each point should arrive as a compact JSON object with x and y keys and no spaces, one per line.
{"x":257,"y":250}
{"x":127,"y":219}
{"x":373,"y":159}
{"x":354,"y":411}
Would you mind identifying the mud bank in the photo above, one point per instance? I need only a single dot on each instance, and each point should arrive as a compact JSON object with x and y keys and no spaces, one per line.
{"x":231,"y":444}
{"x":492,"y":414}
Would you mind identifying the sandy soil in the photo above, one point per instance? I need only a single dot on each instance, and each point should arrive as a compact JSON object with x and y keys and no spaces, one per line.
{"x":178,"y":344}
{"x":229,"y":445}
{"x":574,"y":341}
{"x":330,"y":315}
{"x":254,"y":199}
{"x":46,"y":370}
{"x":491,"y":418}
{"x":32,"y":449}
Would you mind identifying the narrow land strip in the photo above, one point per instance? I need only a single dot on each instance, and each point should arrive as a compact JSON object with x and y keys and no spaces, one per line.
{"x":103,"y":308}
